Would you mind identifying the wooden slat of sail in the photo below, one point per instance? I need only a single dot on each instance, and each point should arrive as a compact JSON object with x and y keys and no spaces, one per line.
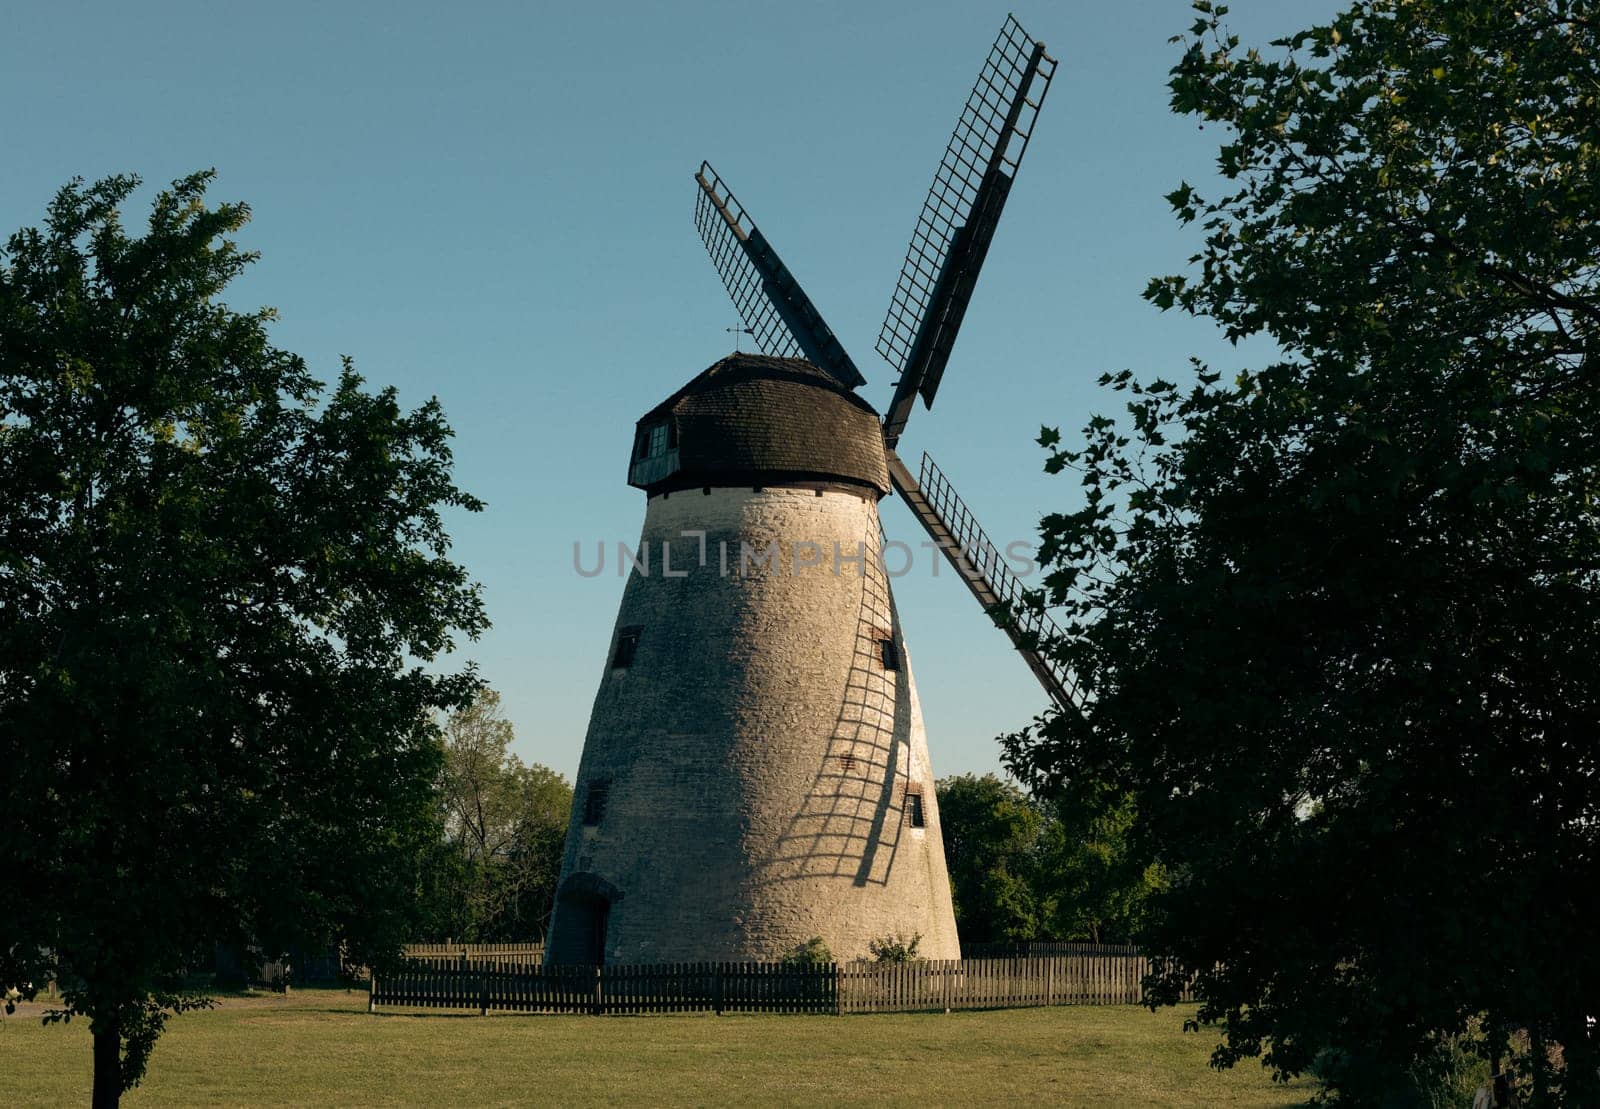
{"x":979,"y":563}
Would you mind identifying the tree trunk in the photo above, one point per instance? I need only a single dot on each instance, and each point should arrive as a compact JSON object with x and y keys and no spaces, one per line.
{"x":1539,"y":1057}
{"x":107,"y":1064}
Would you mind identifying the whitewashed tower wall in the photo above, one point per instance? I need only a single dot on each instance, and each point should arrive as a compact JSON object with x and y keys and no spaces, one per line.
{"x":759,"y":754}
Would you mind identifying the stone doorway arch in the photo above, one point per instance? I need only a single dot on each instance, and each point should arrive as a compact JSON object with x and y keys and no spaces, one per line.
{"x":583,"y":917}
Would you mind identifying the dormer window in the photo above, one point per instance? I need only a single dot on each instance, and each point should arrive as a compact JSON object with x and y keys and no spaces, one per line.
{"x":653,"y":441}
{"x":655,"y":452}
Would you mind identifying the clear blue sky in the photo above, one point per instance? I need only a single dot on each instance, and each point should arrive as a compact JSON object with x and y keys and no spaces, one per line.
{"x":492,"y":202}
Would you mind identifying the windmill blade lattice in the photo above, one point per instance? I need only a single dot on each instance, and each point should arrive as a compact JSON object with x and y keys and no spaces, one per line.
{"x":780,"y":316}
{"x":955,"y":531}
{"x":724,"y":225}
{"x":959,"y":214}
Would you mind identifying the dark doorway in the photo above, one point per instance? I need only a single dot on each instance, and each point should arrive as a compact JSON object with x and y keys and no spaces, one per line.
{"x":583,"y":918}
{"x":599,"y":918}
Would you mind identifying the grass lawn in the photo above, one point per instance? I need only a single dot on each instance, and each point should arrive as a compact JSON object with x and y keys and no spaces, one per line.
{"x":321,"y":1047}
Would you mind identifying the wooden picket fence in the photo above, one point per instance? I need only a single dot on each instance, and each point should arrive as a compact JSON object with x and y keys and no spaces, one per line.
{"x":445,"y":953}
{"x":512,"y":985}
{"x":936,"y":984}
{"x":1035,"y":949}
{"x":489,"y":984}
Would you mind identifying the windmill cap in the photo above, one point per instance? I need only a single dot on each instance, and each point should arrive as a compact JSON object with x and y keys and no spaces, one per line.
{"x":751,"y":419}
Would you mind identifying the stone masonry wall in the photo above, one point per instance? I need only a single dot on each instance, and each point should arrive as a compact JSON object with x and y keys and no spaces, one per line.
{"x":758,"y":753}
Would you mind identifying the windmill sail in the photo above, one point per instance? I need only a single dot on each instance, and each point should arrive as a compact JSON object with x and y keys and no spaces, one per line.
{"x":954,"y":530}
{"x":771,"y":303}
{"x":959,"y":217}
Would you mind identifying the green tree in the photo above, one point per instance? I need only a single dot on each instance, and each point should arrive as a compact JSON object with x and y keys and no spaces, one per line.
{"x":506,"y":826}
{"x":991,"y":831}
{"x":220,"y":589}
{"x":533,"y":861}
{"x":1091,"y":883}
{"x":1335,"y":616}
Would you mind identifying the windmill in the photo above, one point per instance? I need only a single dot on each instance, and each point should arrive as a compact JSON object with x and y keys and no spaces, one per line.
{"x":756,"y":770}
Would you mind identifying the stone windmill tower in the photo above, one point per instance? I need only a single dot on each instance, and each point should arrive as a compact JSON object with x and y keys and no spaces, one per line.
{"x":756,"y":770}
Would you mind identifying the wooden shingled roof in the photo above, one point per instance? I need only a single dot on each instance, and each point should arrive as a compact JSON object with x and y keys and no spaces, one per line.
{"x":754,"y":419}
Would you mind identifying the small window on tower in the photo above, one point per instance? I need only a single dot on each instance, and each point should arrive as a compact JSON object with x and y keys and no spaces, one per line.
{"x":594,"y":802}
{"x":627,"y":646}
{"x":914,"y":809}
{"x":653,"y":441}
{"x":889,"y":654}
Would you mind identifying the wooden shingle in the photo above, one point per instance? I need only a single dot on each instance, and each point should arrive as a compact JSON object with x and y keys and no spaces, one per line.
{"x":751,"y":419}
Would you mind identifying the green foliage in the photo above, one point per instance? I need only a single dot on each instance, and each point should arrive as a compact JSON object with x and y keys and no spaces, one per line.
{"x":221,"y":589}
{"x":493,"y":877}
{"x":991,"y":832}
{"x":1022,"y":869}
{"x":1093,"y":886}
{"x":895,"y":948}
{"x":1446,"y":1074}
{"x":1334,"y":616}
{"x":813,"y":953}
